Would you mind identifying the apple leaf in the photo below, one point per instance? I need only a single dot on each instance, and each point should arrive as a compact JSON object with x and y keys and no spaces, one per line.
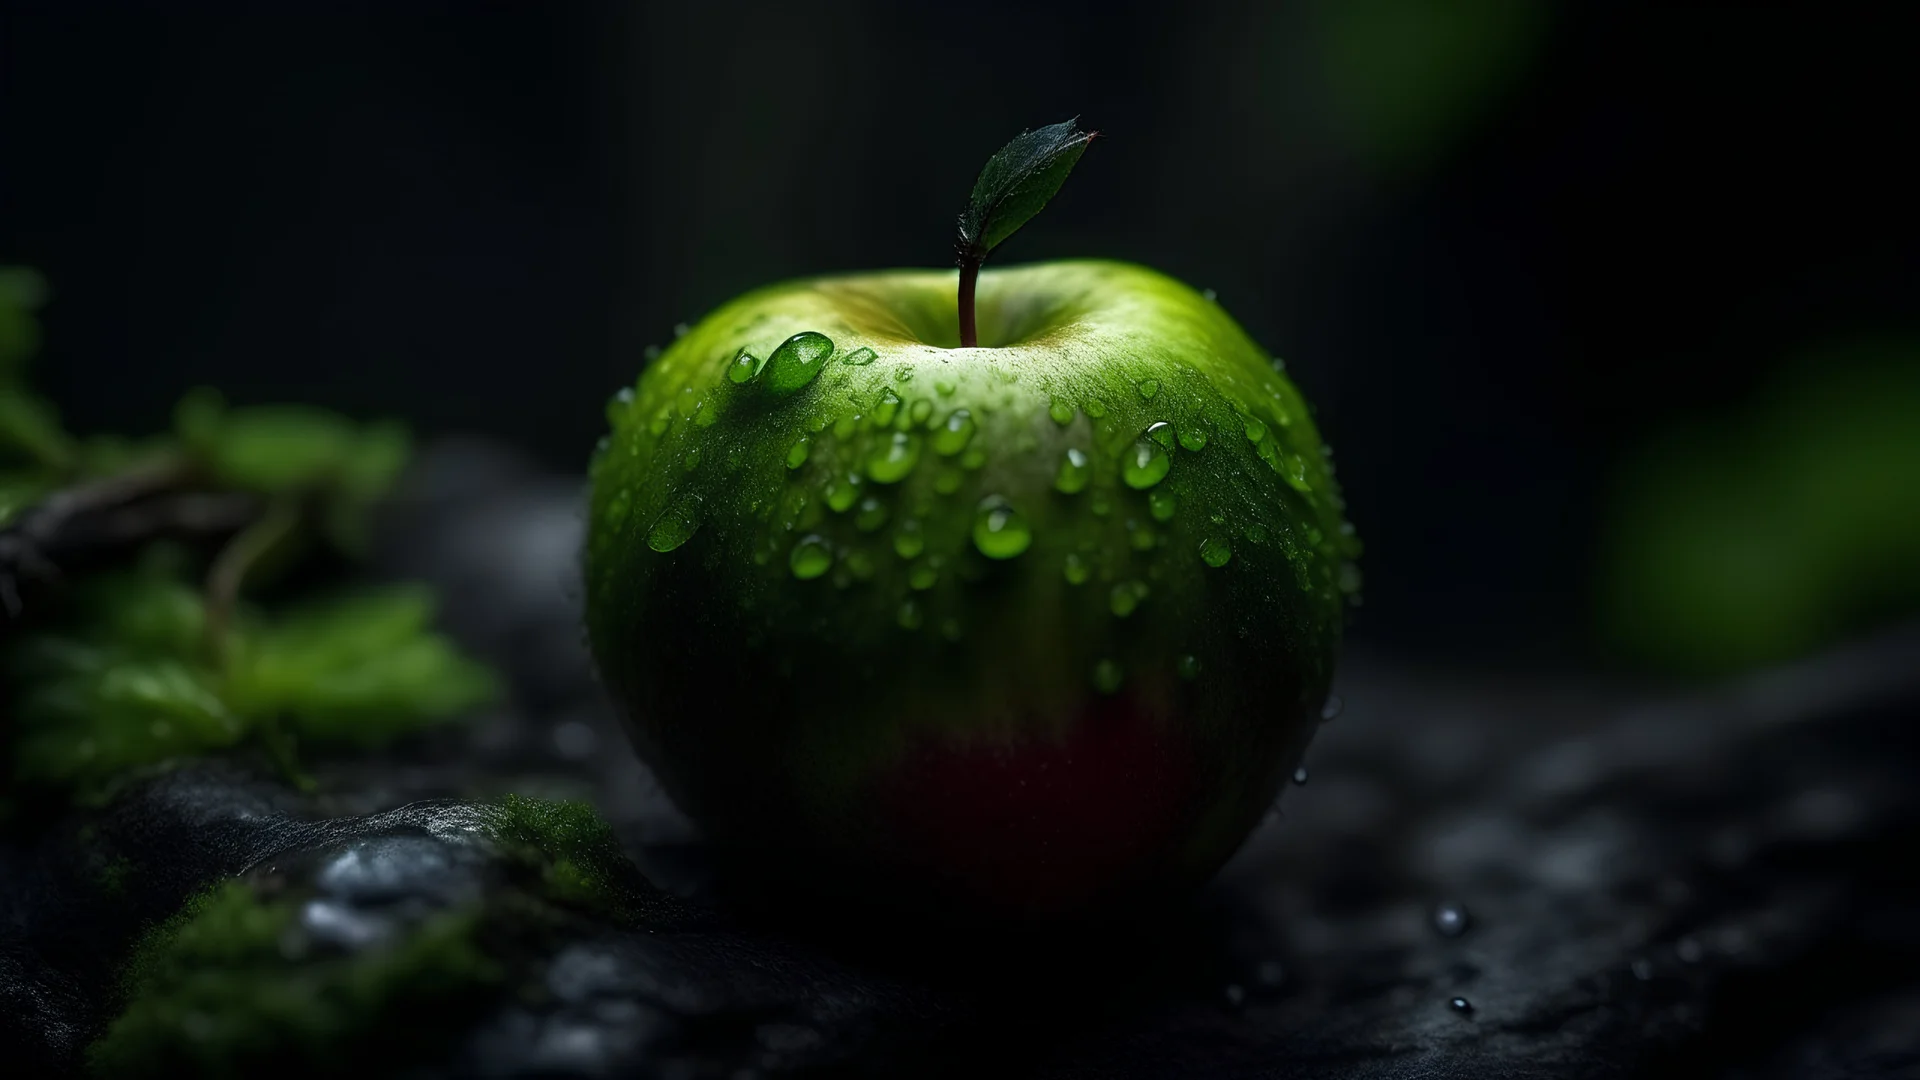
{"x":1016,"y":183}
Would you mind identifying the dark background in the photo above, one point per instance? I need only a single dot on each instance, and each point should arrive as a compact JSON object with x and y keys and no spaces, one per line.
{"x":1496,"y":247}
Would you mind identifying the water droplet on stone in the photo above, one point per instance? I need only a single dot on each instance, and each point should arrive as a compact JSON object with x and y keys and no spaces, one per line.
{"x":1161,"y":433}
{"x":861,"y":356}
{"x":1144,"y":465}
{"x":796,"y":362}
{"x":1061,"y":412}
{"x":1450,"y":920}
{"x":1460,"y":1005}
{"x":1215,"y":551}
{"x":1162,"y":504}
{"x":908,"y":540}
{"x":810,"y":558}
{"x":1124,"y":597}
{"x":1332,"y":709}
{"x":1095,"y":408}
{"x":954,"y":434}
{"x":1188,"y":666}
{"x":999,"y":531}
{"x":884,"y":411}
{"x":1075,"y":471}
{"x":894,"y":458}
{"x":1148,"y":388}
{"x":1075,"y":570}
{"x":675,"y":525}
{"x":1107,"y":676}
{"x":744,"y":367}
{"x":797,"y":453}
{"x":1300,"y":776}
{"x":872,"y":515}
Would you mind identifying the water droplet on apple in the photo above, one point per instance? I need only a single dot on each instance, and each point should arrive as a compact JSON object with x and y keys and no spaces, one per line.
{"x":1075,"y":471}
{"x":797,"y":453}
{"x":1095,"y":408}
{"x":1107,"y":676}
{"x":1215,"y":551}
{"x":796,"y":362}
{"x":908,"y":540}
{"x":1162,"y":505}
{"x":872,"y":515}
{"x":999,"y":531}
{"x":810,"y":558}
{"x":954,"y":434}
{"x":1145,"y":465}
{"x":1061,"y":412}
{"x":922,"y":409}
{"x":1148,"y":388}
{"x":1126,"y":596}
{"x":617,"y":509}
{"x":903,"y":374}
{"x":945,"y":388}
{"x":1075,"y":570}
{"x":1193,"y":436}
{"x":1256,"y":430}
{"x":893,"y":458}
{"x":675,"y":525}
{"x":842,"y":491}
{"x":888,"y":405}
{"x":619,"y":405}
{"x":1161,"y":433}
{"x":743,"y":367}
{"x":1188,"y":666}
{"x":861,"y":357}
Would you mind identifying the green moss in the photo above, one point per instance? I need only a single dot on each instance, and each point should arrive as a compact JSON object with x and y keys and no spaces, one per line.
{"x":572,"y":854}
{"x":223,"y":989}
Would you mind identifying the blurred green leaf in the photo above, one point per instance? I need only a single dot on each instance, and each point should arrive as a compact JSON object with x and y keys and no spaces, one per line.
{"x":358,"y":671}
{"x":30,"y":431}
{"x":281,"y":448}
{"x":1406,"y":78}
{"x":22,"y":290}
{"x":1755,"y":537}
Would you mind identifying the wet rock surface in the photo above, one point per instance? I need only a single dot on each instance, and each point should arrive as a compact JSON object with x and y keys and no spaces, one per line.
{"x":1480,"y":878}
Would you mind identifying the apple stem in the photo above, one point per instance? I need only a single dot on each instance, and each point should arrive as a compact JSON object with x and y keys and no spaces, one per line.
{"x":969,"y":275}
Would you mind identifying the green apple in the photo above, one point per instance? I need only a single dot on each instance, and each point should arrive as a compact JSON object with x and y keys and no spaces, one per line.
{"x":1028,"y":628}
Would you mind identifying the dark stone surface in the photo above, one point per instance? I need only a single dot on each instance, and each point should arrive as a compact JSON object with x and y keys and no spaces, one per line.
{"x":1717,"y":884}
